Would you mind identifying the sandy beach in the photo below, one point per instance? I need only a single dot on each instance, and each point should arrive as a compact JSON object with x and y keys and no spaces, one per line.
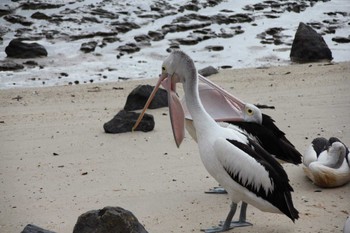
{"x":57,"y":162}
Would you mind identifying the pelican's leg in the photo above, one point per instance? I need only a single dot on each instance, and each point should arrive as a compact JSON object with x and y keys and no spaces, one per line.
{"x":242,"y":217}
{"x":216,"y":190}
{"x":225,"y":227}
{"x":228,"y":224}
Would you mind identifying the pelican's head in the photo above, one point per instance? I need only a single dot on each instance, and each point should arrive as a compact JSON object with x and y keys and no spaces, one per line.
{"x":177,"y":67}
{"x":223,"y":106}
{"x":252,"y":114}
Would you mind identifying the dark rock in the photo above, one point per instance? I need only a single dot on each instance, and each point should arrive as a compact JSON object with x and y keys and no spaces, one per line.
{"x":19,"y":49}
{"x":189,"y":17}
{"x":86,"y":19}
{"x":108,"y":220}
{"x":93,"y":34}
{"x":309,"y":46}
{"x":183,"y":27}
{"x":125,"y":26}
{"x":271,"y":16}
{"x":110,"y":39}
{"x":330,"y":30}
{"x":124,"y":121}
{"x":10,"y":65}
{"x":191,"y":7}
{"x":340,"y":39}
{"x":40,"y":15}
{"x":316,"y":25}
{"x":7,"y":9}
{"x":88,"y":46}
{"x":296,"y":7}
{"x":213,"y":3}
{"x":32,"y":5}
{"x":207,"y":71}
{"x":260,"y":6}
{"x":31,"y":63}
{"x":18,"y":19}
{"x":274,"y":31}
{"x":215,"y":47}
{"x":104,"y":13}
{"x":30,"y":228}
{"x":142,"y":38}
{"x":138,"y":97}
{"x":174,"y":45}
{"x":240,"y":18}
{"x":129,"y":48}
{"x":156,"y":35}
{"x":150,"y":16}
{"x":187,"y":41}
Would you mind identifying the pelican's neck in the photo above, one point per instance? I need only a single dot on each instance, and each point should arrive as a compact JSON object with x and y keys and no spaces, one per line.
{"x":202,"y":121}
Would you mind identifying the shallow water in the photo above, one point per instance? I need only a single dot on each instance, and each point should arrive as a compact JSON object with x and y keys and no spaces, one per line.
{"x":102,"y":65}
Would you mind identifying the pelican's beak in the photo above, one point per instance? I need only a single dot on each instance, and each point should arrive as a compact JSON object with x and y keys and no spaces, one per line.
{"x":177,"y":116}
{"x":220,"y":104}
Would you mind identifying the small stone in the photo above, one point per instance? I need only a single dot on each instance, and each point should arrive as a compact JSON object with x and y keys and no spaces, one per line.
{"x":340,"y":39}
{"x":207,"y":71}
{"x":30,"y":228}
{"x":88,"y":47}
{"x":10,"y":65}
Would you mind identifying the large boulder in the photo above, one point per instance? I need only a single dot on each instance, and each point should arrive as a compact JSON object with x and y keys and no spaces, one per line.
{"x":19,"y":49}
{"x":309,"y":46}
{"x":138,"y":97}
{"x":124,"y":121}
{"x":108,"y":219}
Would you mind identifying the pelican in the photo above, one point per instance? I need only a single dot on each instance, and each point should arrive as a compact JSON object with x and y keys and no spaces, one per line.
{"x":327,"y":162}
{"x":247,"y":172}
{"x":230,"y":111}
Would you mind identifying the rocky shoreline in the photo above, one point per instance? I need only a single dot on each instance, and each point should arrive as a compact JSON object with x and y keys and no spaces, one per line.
{"x":105,"y":30}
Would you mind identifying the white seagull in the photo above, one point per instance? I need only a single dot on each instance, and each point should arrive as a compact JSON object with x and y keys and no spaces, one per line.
{"x":327,"y":162}
{"x":248,"y":172}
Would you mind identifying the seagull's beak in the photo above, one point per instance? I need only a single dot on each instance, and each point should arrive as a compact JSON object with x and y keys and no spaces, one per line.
{"x":220,"y":104}
{"x":177,"y":116}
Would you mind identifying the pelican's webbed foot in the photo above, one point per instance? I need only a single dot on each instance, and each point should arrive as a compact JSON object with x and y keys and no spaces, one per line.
{"x":216,"y":190}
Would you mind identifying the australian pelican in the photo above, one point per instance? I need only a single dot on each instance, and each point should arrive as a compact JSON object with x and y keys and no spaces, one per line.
{"x":231,"y":112}
{"x":245,"y":169}
{"x":327,"y":162}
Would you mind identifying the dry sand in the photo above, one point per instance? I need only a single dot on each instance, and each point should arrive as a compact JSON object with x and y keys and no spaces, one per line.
{"x":57,"y":162}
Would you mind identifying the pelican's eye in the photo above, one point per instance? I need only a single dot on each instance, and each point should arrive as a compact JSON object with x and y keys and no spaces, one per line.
{"x":163,"y":69}
{"x":250,"y":111}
